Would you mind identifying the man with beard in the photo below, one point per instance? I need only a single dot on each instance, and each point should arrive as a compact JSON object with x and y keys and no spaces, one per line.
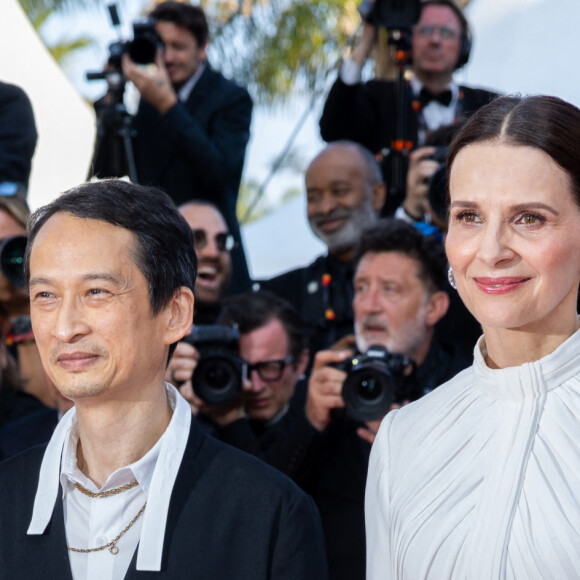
{"x":213,"y":244}
{"x":399,"y":296}
{"x":345,"y":192}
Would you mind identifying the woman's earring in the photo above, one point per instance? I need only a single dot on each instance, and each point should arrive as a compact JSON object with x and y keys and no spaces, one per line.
{"x":451,"y":278}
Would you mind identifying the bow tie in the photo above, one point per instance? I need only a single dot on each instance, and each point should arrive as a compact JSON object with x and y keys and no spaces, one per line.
{"x":426,"y":96}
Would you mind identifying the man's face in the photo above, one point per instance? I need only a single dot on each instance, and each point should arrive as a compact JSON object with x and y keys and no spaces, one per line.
{"x":214,"y":265}
{"x":265,"y":399}
{"x":436,"y":41}
{"x":181,"y":53}
{"x":91,"y":314}
{"x":390,"y":304}
{"x":339,"y":201}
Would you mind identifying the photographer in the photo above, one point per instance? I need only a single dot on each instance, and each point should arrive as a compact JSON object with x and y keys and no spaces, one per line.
{"x":344,"y":193}
{"x":261,"y":419}
{"x":367,"y":112}
{"x":190,"y":133}
{"x":399,"y":296}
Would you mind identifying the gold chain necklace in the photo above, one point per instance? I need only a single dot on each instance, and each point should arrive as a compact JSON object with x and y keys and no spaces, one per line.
{"x":112,"y":545}
{"x":108,"y":493}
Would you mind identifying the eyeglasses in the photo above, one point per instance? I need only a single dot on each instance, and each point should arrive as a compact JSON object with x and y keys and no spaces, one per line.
{"x":445,"y":33}
{"x":270,"y":370}
{"x":224,"y":242}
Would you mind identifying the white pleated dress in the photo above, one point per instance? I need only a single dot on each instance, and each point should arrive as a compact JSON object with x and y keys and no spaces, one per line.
{"x":480,"y":479}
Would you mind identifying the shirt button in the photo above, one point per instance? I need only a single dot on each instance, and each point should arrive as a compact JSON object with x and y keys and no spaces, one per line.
{"x":101,"y":541}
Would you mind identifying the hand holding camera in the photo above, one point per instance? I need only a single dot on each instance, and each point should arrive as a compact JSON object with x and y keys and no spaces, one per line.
{"x":422,"y":166}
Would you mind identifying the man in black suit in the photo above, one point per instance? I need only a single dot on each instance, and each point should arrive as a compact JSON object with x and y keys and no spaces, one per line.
{"x":128,"y":484}
{"x":192,"y":126}
{"x":367,"y":112}
{"x":17,"y":135}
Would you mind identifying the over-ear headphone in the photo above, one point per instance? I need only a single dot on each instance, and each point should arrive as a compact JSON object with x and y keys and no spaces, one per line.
{"x":466,"y":37}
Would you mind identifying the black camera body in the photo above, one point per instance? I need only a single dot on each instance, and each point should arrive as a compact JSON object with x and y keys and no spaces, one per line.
{"x":220,"y":372}
{"x":142,"y":48}
{"x":391,"y":14}
{"x":374,"y":382}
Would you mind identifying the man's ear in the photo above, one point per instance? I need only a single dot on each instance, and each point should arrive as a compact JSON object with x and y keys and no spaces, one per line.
{"x":179,"y":315}
{"x":437,"y":307}
{"x":378,"y":196}
{"x":302,"y":362}
{"x":203,"y":52}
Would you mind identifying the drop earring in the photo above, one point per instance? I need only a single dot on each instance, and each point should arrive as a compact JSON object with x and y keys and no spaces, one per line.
{"x":451,"y":278}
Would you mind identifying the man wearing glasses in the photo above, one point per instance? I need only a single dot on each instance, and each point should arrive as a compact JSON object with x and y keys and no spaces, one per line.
{"x":367,"y":112}
{"x":263,"y":421}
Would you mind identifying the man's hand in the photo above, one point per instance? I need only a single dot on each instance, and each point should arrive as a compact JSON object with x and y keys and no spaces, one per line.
{"x":371,"y":428}
{"x":365,"y":44}
{"x":152,"y":82}
{"x":324,"y":387}
{"x":182,"y":364}
{"x":421,"y":169}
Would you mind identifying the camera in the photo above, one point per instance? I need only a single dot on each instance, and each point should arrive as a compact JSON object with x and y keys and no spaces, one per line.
{"x":391,"y":14}
{"x":12,"y":259}
{"x":142,"y":48}
{"x":374,"y":382}
{"x":220,"y":372}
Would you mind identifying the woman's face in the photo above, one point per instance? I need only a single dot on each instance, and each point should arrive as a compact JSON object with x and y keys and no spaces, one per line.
{"x":514,"y":237}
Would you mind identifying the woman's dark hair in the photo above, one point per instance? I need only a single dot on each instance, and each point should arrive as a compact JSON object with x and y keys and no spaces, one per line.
{"x":185,"y":15}
{"x":252,"y":310}
{"x":542,"y":122}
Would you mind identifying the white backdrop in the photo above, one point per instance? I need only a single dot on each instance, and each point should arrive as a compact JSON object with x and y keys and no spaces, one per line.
{"x":64,"y":121}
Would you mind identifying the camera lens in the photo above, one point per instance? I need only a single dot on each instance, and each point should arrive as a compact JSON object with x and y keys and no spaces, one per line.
{"x":217,"y":380}
{"x":368,"y":392}
{"x":12,"y":259}
{"x":369,"y":388}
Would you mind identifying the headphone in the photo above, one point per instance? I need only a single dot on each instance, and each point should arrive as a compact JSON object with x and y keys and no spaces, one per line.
{"x":466,"y":37}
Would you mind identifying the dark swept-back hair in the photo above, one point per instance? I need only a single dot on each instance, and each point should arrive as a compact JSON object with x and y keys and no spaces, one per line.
{"x":394,"y":235}
{"x":187,"y":16}
{"x":253,"y":310}
{"x":542,"y":122}
{"x":164,"y":243}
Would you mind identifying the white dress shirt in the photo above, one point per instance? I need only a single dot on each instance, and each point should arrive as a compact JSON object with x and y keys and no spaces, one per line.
{"x":94,"y":522}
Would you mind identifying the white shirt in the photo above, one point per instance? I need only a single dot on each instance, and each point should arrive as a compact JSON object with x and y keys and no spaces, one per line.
{"x":93,"y":522}
{"x":185,"y":90}
{"x":480,"y":479}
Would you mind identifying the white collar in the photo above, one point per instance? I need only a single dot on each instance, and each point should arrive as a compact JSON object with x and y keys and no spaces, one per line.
{"x":417,"y":85}
{"x":184,"y":92}
{"x":173,"y":443}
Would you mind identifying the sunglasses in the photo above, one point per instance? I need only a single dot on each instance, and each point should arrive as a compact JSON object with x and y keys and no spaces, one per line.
{"x":224,"y":242}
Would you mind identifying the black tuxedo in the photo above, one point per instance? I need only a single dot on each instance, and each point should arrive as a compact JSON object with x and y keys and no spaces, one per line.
{"x":195,"y":151}
{"x":366,"y":113}
{"x":230,"y":517}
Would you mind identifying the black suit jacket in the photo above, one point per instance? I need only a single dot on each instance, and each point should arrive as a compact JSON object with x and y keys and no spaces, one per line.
{"x":17,"y":134}
{"x":367,"y":113}
{"x":230,"y":517}
{"x":195,"y":151}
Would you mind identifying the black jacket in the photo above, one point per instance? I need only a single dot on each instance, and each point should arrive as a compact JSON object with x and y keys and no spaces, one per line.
{"x":366,"y":113}
{"x":230,"y":516}
{"x":195,"y":151}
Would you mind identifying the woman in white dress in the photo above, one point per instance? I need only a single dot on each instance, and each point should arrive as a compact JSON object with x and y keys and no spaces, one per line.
{"x":481,"y":478}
